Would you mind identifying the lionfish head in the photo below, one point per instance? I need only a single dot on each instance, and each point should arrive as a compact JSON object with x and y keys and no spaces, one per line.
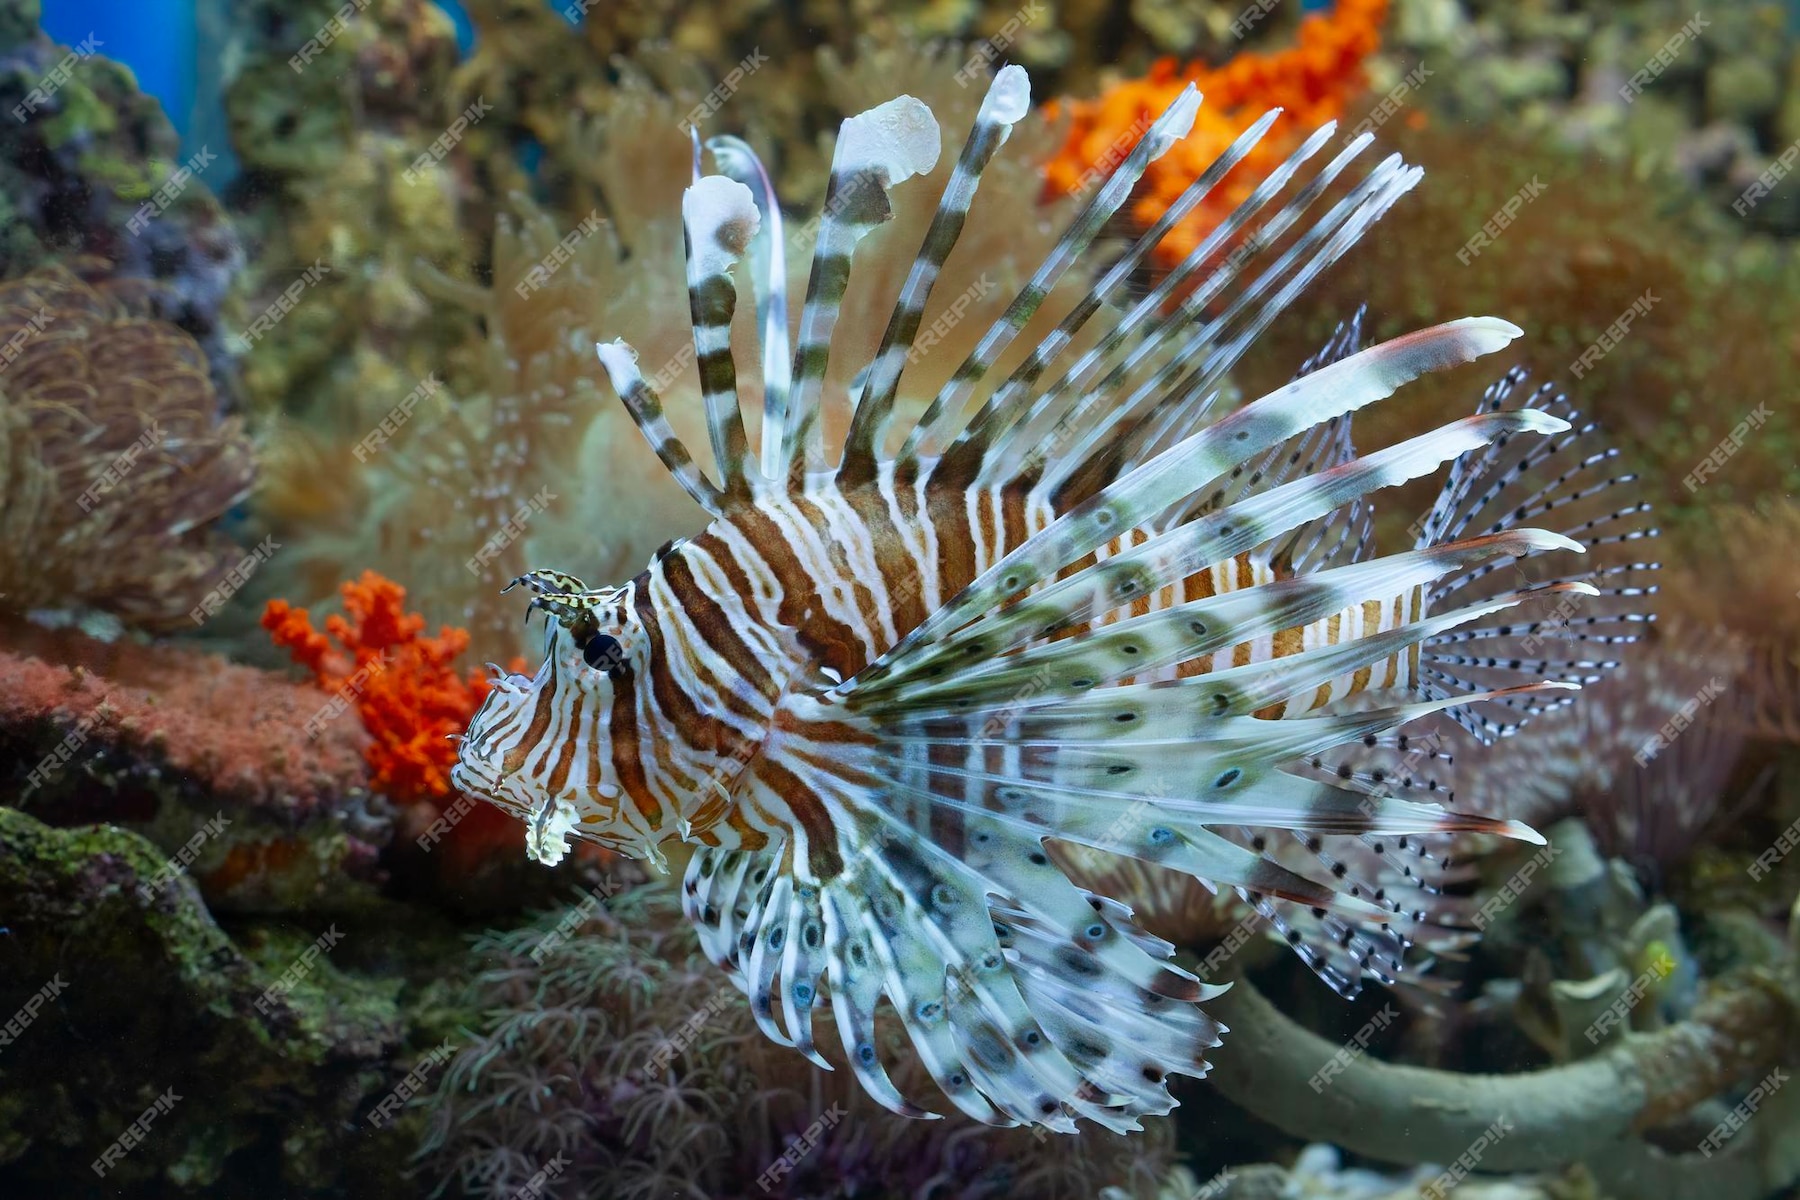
{"x":541,"y":746}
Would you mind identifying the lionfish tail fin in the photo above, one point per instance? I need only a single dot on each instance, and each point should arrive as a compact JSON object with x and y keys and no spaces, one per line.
{"x":1571,"y":483}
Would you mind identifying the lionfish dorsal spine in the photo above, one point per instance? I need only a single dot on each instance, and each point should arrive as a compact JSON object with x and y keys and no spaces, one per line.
{"x":946,"y":415}
{"x":768,"y":255}
{"x":1007,"y":101}
{"x":1014,"y":402}
{"x":1060,"y":434}
{"x":875,"y":151}
{"x":719,"y":218}
{"x":1127,"y":429}
{"x":619,"y":361}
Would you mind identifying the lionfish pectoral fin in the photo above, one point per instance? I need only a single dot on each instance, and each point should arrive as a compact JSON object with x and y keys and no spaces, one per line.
{"x":917,"y":871}
{"x":1026,"y":1000}
{"x":1021,"y":721}
{"x":1347,"y":533}
{"x":1150,"y":490}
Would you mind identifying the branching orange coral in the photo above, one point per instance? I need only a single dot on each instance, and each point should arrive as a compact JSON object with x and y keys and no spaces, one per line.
{"x":1311,"y":83}
{"x":402,"y":684}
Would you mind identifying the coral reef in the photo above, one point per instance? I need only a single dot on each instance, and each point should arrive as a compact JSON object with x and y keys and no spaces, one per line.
{"x":624,"y":1052}
{"x":344,"y":192}
{"x":163,"y":740}
{"x":544,"y":66}
{"x":410,"y":699}
{"x":489,"y":444}
{"x":1319,"y":1172}
{"x":1312,"y":83}
{"x":91,"y":166}
{"x":148,"y":997}
{"x":114,"y":463}
{"x":181,"y":828}
{"x":1698,"y":107}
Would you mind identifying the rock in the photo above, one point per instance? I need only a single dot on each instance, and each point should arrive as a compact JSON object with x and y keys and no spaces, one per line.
{"x":179,"y":745}
{"x":145,"y":1006}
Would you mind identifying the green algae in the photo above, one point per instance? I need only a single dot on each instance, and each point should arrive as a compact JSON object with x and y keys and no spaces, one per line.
{"x":157,"y":995}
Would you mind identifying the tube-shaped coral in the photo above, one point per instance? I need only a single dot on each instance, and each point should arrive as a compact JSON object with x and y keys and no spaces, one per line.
{"x":1593,"y":1111}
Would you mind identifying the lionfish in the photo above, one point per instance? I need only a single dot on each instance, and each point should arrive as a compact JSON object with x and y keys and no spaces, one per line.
{"x":1078,"y":605}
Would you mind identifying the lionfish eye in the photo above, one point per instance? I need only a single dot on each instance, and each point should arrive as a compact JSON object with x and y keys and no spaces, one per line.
{"x":603,"y":652}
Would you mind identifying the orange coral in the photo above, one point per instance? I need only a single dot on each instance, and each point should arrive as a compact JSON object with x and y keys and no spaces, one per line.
{"x":1312,"y":83}
{"x":402,"y":684}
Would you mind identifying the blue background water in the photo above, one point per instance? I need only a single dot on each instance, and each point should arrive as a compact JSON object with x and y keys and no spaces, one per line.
{"x":162,"y":42}
{"x":157,"y":39}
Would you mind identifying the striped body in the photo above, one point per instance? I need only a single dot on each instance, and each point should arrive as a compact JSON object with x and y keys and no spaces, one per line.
{"x":828,"y":579}
{"x":1079,"y":607}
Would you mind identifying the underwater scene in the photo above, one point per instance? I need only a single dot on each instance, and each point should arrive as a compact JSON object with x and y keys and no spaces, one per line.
{"x":900,"y":599}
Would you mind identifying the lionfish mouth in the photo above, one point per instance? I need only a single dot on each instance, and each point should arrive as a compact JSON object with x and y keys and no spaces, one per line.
{"x":481,"y":780}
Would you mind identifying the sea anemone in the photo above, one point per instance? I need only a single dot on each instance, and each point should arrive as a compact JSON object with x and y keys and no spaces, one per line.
{"x":1642,"y":757}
